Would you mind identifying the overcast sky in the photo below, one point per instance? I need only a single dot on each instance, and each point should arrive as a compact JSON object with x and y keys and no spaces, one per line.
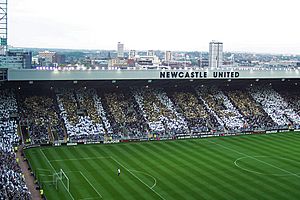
{"x":242,"y":25}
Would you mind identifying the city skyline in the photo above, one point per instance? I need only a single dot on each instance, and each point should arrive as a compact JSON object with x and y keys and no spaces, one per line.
{"x":248,"y":26}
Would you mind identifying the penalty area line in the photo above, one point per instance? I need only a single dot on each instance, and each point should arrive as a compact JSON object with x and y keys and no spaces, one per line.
{"x":90,"y":183}
{"x":137,"y":178}
{"x":75,"y":159}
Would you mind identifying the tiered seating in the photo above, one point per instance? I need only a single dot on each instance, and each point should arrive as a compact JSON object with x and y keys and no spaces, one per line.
{"x":180,"y":121}
{"x":199,"y":120}
{"x":8,"y":126}
{"x":159,"y":117}
{"x":103,"y":114}
{"x":218,"y":102}
{"x":79,"y":125}
{"x":275,"y":106}
{"x":86,"y":103}
{"x":292,"y":97}
{"x":41,"y":114}
{"x":12,"y":184}
{"x":252,"y":112}
{"x":128,"y":123}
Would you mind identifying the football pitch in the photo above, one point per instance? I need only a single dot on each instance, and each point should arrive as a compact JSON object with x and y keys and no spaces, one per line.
{"x":239,"y":167}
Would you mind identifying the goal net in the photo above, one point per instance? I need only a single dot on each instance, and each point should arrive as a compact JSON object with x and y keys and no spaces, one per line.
{"x":61,"y":178}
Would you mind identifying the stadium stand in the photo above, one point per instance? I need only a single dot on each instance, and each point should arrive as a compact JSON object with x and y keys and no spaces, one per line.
{"x":199,"y":119}
{"x":78,"y":114}
{"x":161,"y":117}
{"x":81,"y":119}
{"x":126,"y":120}
{"x":39,"y":114}
{"x":12,"y":184}
{"x":275,"y":106}
{"x":218,"y":102}
{"x":255,"y":116}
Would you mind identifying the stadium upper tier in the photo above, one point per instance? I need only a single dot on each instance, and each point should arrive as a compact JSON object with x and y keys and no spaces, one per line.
{"x":83,"y":73}
{"x":74,"y":112}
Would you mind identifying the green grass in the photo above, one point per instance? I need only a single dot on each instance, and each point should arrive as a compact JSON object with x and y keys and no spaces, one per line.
{"x":242,"y":167}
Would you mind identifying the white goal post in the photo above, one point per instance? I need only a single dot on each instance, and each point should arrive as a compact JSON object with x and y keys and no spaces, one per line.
{"x":63,"y":178}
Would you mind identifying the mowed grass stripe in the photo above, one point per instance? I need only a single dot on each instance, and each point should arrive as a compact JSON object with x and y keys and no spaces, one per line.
{"x":193,"y":176}
{"x":78,"y":168}
{"x":281,"y":145}
{"x":50,"y":190}
{"x":73,"y":170}
{"x":208,"y":170}
{"x":186,"y":186}
{"x":254,"y":148}
{"x":130,"y":160}
{"x":282,"y":150}
{"x":261,"y":147}
{"x":190,"y":169}
{"x":279,"y":141}
{"x":219,"y":158}
{"x":131,"y":187}
{"x":93,"y":167}
{"x":124,"y":155}
{"x":110,"y":189}
{"x":58,"y":153}
{"x":216,"y":160}
{"x":143,"y":165}
{"x":291,"y":183}
{"x":284,"y":145}
{"x":257,"y":149}
{"x":203,"y":162}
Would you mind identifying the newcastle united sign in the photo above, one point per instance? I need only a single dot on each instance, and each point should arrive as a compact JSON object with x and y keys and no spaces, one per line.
{"x":197,"y":74}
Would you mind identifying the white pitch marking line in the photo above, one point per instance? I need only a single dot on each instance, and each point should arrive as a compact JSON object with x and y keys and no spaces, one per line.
{"x":45,"y":175}
{"x":282,"y":175}
{"x":55,"y":172}
{"x":40,"y":169}
{"x":74,"y":159}
{"x":138,"y":178}
{"x":146,"y":175}
{"x":256,"y":159}
{"x":90,"y":183}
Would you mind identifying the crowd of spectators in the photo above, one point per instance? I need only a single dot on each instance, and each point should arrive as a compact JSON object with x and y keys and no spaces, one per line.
{"x":89,"y":114}
{"x":126,"y":120}
{"x":158,"y":112}
{"x":41,"y":115}
{"x":12,"y":183}
{"x":79,"y":124}
{"x":254,"y":115}
{"x":275,"y":106}
{"x":194,"y":111}
{"x":219,"y":103}
{"x":292,"y":97}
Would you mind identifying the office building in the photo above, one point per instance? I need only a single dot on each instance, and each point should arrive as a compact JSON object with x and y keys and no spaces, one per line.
{"x":132,"y":54}
{"x":215,"y":54}
{"x":16,"y":58}
{"x":120,"y":50}
{"x":168,"y":56}
{"x":47,"y":56}
{"x":150,"y":53}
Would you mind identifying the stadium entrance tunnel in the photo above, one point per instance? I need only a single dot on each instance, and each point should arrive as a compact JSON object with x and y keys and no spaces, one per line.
{"x":269,"y":165}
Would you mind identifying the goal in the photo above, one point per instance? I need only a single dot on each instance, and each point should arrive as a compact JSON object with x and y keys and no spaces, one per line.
{"x":61,"y":177}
